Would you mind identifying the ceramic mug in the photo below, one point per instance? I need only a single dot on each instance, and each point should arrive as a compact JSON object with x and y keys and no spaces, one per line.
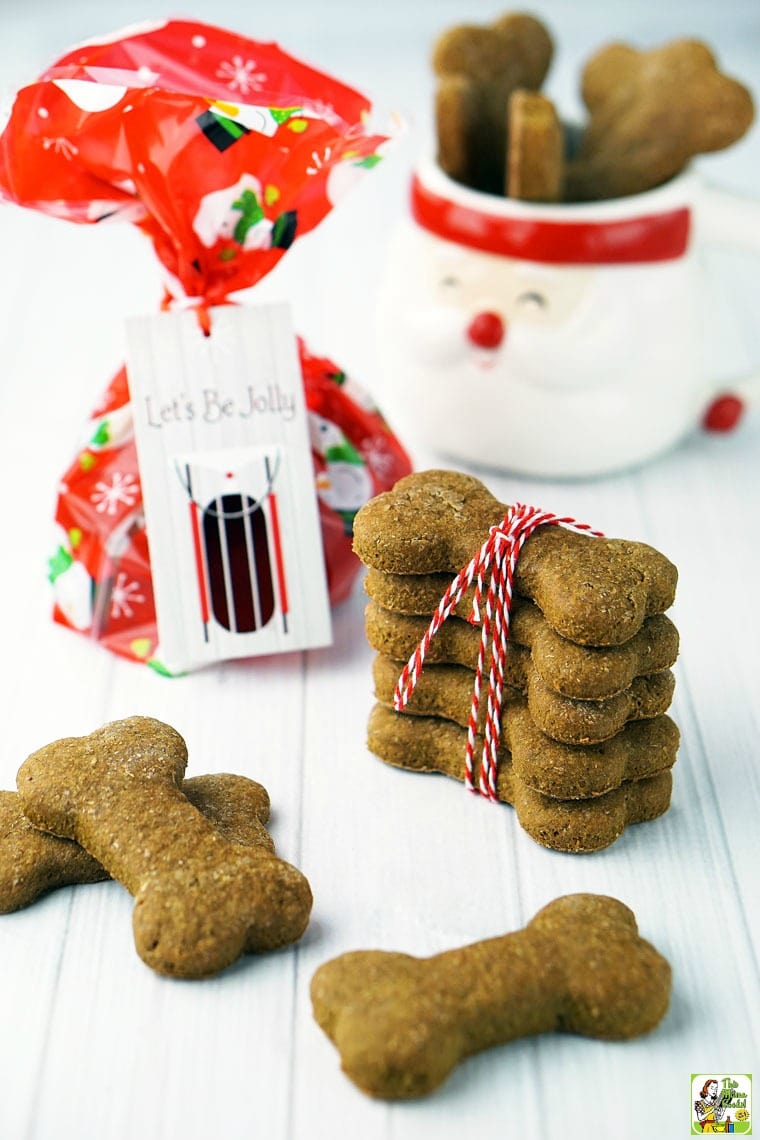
{"x":561,"y":340}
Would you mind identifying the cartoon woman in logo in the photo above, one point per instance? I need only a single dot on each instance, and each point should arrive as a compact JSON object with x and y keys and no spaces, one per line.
{"x":709,"y":1109}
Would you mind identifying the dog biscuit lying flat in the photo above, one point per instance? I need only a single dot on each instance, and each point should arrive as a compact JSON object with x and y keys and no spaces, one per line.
{"x":431,"y":744}
{"x":593,"y":591}
{"x":200,"y":901}
{"x":651,"y":112}
{"x":581,"y":672}
{"x":33,"y":861}
{"x":535,"y":156}
{"x":477,"y":68}
{"x":401,"y":1024}
{"x":446,"y":690}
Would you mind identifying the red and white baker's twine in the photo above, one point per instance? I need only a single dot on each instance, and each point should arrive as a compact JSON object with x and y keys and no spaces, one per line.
{"x":496,"y":558}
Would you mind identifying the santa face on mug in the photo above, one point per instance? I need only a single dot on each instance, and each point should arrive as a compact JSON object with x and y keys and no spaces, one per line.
{"x":540,"y":344}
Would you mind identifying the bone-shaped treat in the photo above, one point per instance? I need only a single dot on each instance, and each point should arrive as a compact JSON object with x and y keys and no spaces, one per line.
{"x":478,"y":67}
{"x":514,"y":51}
{"x":456,"y":116}
{"x":200,"y":901}
{"x":593,"y":591}
{"x":446,"y":690}
{"x":535,"y":155}
{"x":598,"y":790}
{"x":579,"y":671}
{"x":401,"y":1024}
{"x":33,"y":862}
{"x":651,"y":112}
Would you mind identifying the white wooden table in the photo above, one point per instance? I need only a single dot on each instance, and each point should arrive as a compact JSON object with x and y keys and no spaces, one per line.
{"x":93,"y":1046}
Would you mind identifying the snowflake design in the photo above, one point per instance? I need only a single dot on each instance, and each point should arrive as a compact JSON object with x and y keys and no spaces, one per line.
{"x":124,"y":595}
{"x":379,"y":458}
{"x":241,"y":74}
{"x":60,"y":145}
{"x":321,"y":110}
{"x":107,"y":498}
{"x":318,"y":160}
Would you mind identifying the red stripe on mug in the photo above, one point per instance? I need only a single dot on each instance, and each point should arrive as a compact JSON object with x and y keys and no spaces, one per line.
{"x":646,"y":238}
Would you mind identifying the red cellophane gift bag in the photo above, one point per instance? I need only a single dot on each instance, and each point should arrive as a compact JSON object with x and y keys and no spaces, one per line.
{"x":223,"y":151}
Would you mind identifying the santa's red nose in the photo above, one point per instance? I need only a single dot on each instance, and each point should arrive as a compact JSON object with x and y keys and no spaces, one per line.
{"x":486,"y":330}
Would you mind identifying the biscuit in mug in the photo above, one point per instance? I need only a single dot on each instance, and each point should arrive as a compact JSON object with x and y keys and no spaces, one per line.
{"x":477,"y":68}
{"x":650,"y":113}
{"x":535,"y":154}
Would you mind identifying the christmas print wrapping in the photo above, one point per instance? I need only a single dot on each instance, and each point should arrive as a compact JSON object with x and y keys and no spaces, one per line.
{"x":223,"y":151}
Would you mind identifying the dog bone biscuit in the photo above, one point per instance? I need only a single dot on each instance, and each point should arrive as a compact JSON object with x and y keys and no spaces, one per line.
{"x":33,"y":861}
{"x":515,"y":49}
{"x":200,"y":901}
{"x":575,"y":823}
{"x":555,"y":769}
{"x":594,"y":591}
{"x":455,"y":110}
{"x":446,"y":690}
{"x":414,"y":594}
{"x":651,"y":112}
{"x":477,"y":69}
{"x":535,"y":154}
{"x":581,"y":672}
{"x":401,"y":1023}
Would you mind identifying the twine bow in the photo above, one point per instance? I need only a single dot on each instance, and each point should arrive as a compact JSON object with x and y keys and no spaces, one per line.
{"x":492,"y":569}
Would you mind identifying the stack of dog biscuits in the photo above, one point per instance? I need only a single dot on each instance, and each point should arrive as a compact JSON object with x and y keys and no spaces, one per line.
{"x":586,"y":747}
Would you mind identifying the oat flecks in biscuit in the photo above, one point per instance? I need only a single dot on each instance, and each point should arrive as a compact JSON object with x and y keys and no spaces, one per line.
{"x":432,"y":744}
{"x":446,"y":690}
{"x":477,"y":69}
{"x":581,"y":672}
{"x":33,"y":862}
{"x":401,"y":1024}
{"x":535,"y":157}
{"x":594,"y":591}
{"x":200,"y":901}
{"x":551,"y":767}
{"x":651,"y":112}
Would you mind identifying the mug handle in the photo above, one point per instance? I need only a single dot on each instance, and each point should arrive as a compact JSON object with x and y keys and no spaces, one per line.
{"x":724,"y":218}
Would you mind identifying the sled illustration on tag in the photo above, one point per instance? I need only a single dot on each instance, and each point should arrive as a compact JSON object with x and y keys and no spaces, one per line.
{"x":236,"y":539}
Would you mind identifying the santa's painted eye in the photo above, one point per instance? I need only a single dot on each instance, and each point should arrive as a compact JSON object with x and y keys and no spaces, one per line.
{"x":450,"y":282}
{"x":532,"y":298}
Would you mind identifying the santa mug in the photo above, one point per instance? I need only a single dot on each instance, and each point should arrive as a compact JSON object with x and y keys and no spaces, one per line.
{"x":555,"y":340}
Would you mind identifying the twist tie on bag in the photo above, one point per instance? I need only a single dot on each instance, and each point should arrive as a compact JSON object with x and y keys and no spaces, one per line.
{"x":224,"y":151}
{"x":493,"y":570}
{"x":199,"y":305}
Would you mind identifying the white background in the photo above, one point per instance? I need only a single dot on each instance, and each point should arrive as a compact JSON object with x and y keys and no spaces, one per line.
{"x":95,"y":1047}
